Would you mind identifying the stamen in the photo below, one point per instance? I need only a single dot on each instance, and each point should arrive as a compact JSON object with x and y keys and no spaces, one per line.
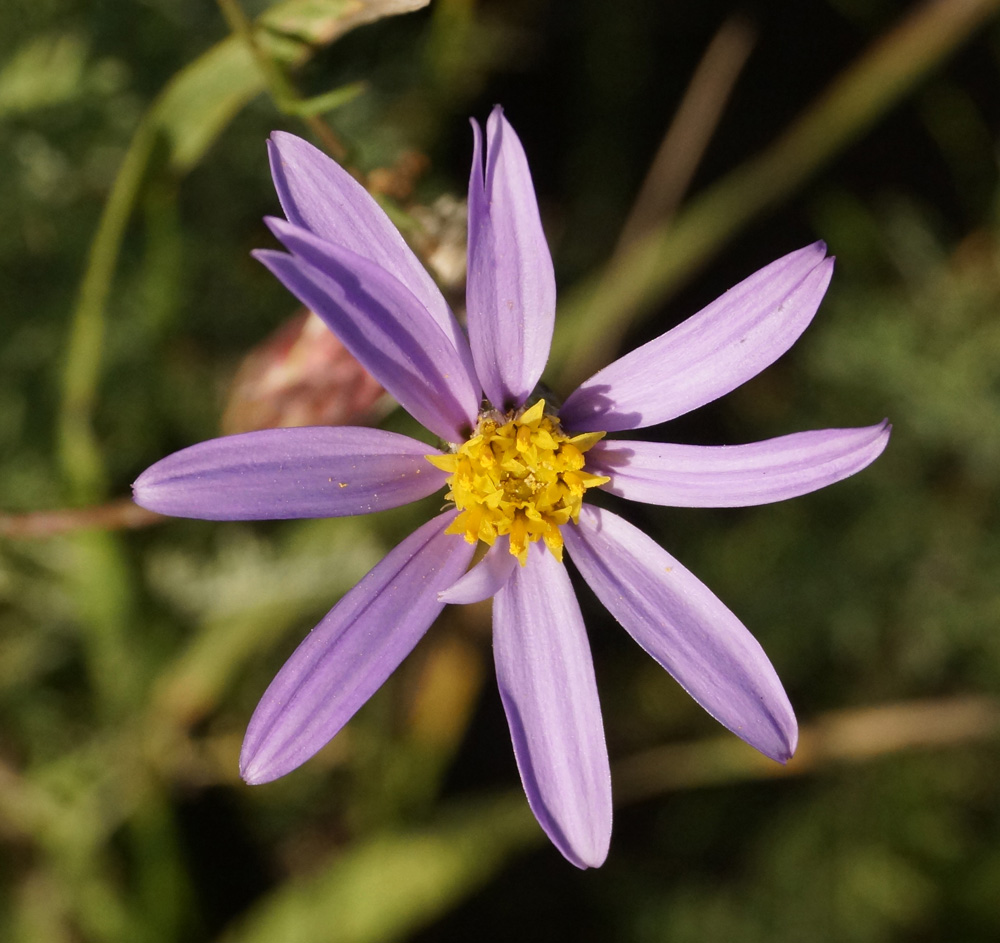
{"x":519,"y":476}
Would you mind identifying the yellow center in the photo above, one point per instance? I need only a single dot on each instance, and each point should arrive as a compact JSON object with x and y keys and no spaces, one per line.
{"x":518,"y":476}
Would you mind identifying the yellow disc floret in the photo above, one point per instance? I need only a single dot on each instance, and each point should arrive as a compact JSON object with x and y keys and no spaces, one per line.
{"x":518,"y":476}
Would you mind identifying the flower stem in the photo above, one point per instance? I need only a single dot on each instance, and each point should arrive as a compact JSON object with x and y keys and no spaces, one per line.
{"x":283,"y":92}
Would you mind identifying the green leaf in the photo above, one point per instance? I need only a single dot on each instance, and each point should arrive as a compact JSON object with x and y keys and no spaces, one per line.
{"x":328,"y":101}
{"x":203,"y":98}
{"x":320,"y":22}
{"x":190,"y":114}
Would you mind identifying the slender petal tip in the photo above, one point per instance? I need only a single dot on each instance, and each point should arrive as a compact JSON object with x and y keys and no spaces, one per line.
{"x":317,"y":194}
{"x":736,"y":475}
{"x":381,"y":322}
{"x":711,"y":353}
{"x":511,"y":288}
{"x":281,"y":474}
{"x":546,"y":678}
{"x":686,"y":628}
{"x":349,"y":655}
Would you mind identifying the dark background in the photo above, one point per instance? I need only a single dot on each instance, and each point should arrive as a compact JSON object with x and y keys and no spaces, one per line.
{"x":130,"y":662}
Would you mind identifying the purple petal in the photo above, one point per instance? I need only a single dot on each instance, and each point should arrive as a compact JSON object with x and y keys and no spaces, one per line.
{"x":710,"y":354}
{"x":380,"y":322}
{"x":511,"y":289}
{"x":685,"y":627}
{"x":277,"y":474}
{"x":546,"y":678}
{"x":349,"y":655}
{"x":317,"y":194}
{"x":729,"y":476}
{"x":485,"y":578}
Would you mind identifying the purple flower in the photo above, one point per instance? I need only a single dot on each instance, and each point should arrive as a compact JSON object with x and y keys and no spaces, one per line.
{"x":517,"y":473}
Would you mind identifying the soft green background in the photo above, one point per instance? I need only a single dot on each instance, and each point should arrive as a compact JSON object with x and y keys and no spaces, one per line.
{"x":133,"y":179}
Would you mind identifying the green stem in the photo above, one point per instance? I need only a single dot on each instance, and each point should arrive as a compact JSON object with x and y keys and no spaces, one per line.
{"x":283,"y":92}
{"x":79,"y":453}
{"x":279,"y":86}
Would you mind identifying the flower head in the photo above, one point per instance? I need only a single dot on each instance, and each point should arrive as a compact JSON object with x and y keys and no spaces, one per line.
{"x":519,"y":477}
{"x":517,"y":473}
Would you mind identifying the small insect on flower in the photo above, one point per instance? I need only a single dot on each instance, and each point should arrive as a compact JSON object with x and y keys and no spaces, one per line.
{"x":518,"y":474}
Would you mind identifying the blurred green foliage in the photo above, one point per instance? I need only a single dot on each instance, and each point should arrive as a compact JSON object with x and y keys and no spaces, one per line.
{"x":133,"y":178}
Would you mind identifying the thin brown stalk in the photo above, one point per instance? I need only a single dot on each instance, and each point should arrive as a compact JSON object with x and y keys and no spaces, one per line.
{"x":839,"y":738}
{"x":596,"y":315}
{"x":116,"y":515}
{"x":691,"y":129}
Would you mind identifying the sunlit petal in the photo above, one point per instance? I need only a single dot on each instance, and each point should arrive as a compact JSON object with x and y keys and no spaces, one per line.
{"x":511,"y":289}
{"x":485,"y":578}
{"x":348,"y":656}
{"x":381,"y":323}
{"x":720,"y":476}
{"x":317,"y":194}
{"x":546,"y":678}
{"x":686,"y":628}
{"x":711,"y":353}
{"x":278,"y":474}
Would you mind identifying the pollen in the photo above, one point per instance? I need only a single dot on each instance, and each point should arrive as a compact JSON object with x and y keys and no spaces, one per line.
{"x":519,"y":476}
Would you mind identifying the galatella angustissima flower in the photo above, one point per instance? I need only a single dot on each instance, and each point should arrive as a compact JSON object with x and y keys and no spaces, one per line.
{"x":517,"y":474}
